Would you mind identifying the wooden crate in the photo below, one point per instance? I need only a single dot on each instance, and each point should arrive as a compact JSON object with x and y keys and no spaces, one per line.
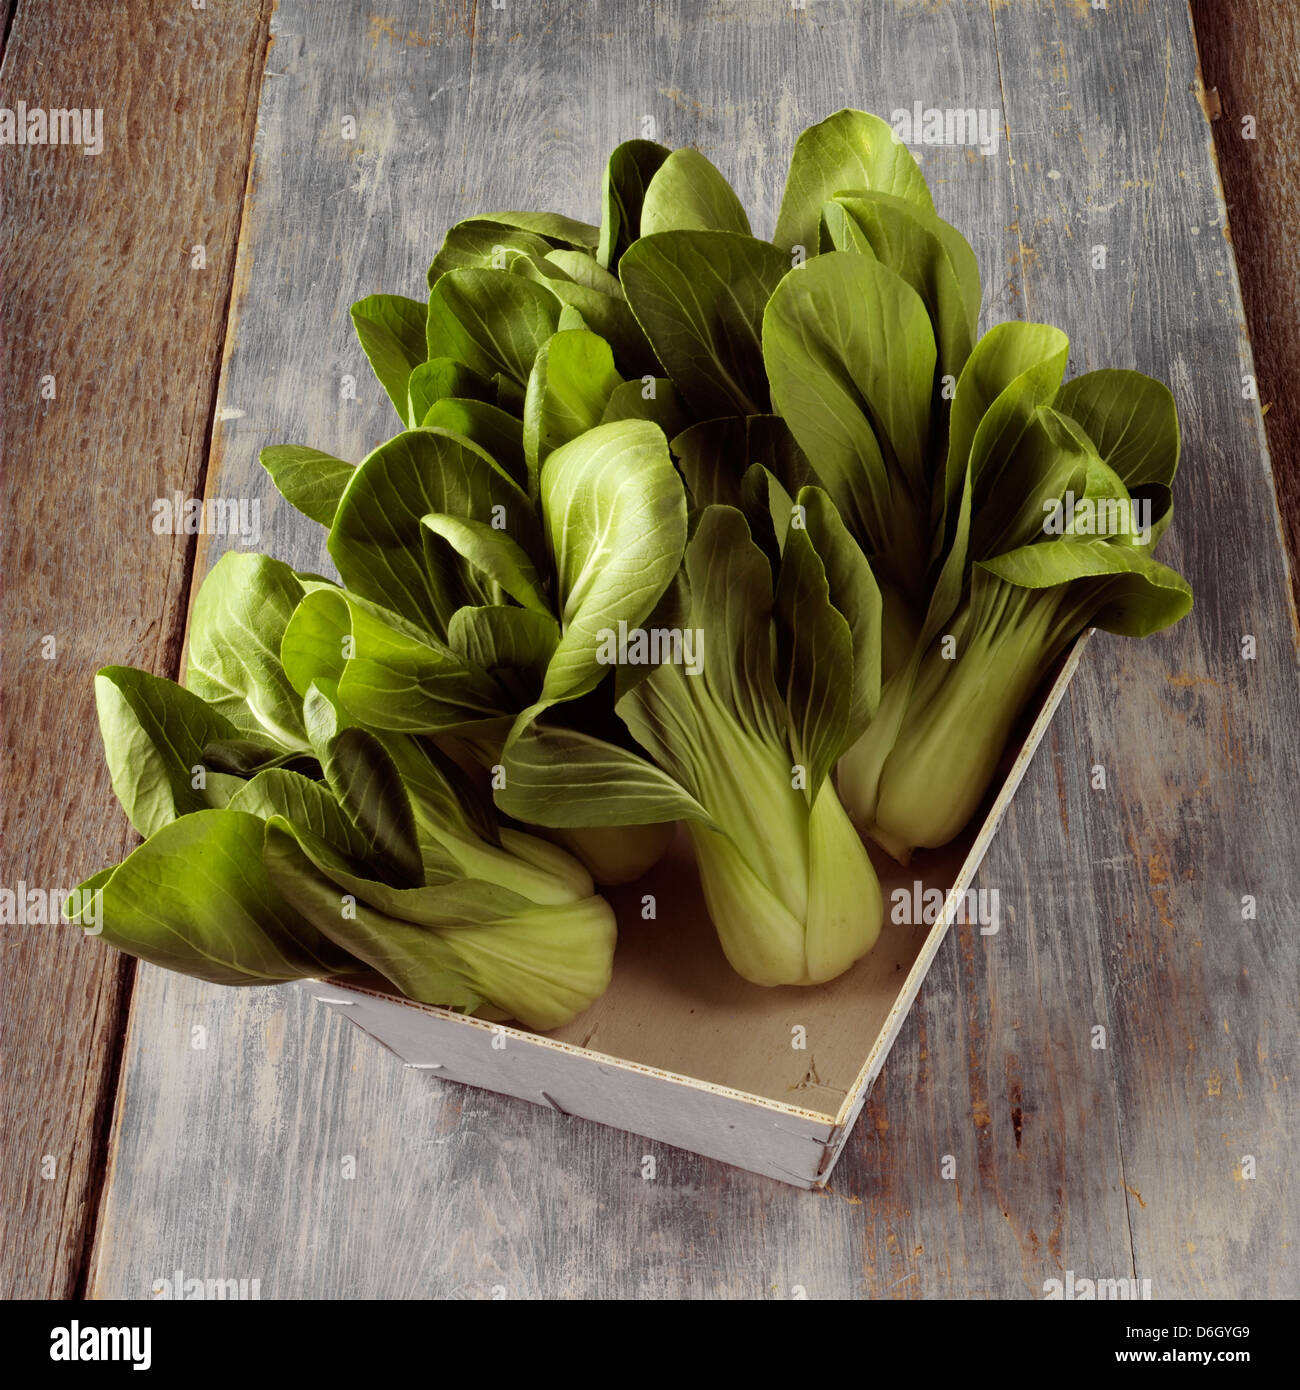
{"x":684,"y":1051}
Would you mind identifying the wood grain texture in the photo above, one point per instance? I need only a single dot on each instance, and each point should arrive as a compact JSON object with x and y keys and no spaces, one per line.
{"x":1199,"y":744}
{"x":97,"y":293}
{"x":1250,"y":57}
{"x":291,"y":1149}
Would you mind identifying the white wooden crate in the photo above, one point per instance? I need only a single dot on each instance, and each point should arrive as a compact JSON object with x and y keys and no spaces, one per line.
{"x":680,"y":1048}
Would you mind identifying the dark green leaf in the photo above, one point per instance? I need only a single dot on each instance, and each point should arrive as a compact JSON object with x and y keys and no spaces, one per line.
{"x":307,"y":803}
{"x":815,"y":650}
{"x":443,"y":377}
{"x":700,"y":297}
{"x":615,"y":515}
{"x":855,"y":593}
{"x":238,"y":622}
{"x":850,"y":354}
{"x":715,"y":454}
{"x":554,"y":226}
{"x":569,"y":389}
{"x":601,"y":312}
{"x":196,"y":898}
{"x":367,"y":785}
{"x":492,"y":321}
{"x":623,"y":187}
{"x":390,"y":673}
{"x":1133,"y":422}
{"x":478,"y":245}
{"x":939,"y":266}
{"x":1121,"y":588}
{"x":649,"y":398}
{"x":558,"y":776}
{"x":513,"y":645}
{"x":377,"y":540}
{"x":496,"y":555}
{"x":495,"y":432}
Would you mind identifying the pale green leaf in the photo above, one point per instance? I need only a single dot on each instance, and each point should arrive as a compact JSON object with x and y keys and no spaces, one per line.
{"x":848,"y":150}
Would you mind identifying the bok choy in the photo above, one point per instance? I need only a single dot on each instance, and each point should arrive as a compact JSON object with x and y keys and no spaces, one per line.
{"x":677,"y":523}
{"x":742,"y":749}
{"x":284,"y":841}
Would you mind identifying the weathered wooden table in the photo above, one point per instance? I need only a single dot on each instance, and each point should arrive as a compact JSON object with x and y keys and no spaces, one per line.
{"x":152,"y":1123}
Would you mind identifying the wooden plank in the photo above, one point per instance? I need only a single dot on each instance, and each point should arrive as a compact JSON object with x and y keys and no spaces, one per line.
{"x":457,"y":1192}
{"x":1111,"y":148}
{"x":97,"y":292}
{"x":1250,"y":57}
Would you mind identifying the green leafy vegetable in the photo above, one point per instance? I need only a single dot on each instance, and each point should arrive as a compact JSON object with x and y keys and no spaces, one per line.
{"x":616,"y":547}
{"x":196,"y":897}
{"x":688,"y":194}
{"x":1024,"y":608}
{"x":740,"y":749}
{"x":154,"y":735}
{"x":236,"y":628}
{"x":850,"y":354}
{"x":680,"y":525}
{"x":493,"y":322}
{"x":628,"y":174}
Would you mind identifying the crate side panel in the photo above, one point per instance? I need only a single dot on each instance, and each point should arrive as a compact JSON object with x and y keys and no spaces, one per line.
{"x":674,"y":1111}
